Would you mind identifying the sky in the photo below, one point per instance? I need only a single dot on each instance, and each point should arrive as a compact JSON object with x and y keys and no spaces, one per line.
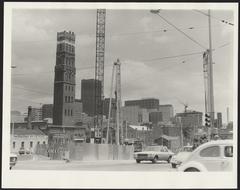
{"x":140,"y":40}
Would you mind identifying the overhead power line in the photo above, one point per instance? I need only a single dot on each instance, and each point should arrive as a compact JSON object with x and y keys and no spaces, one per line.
{"x":182,"y":32}
{"x":221,"y":20}
{"x":145,"y":60}
{"x":175,"y":56}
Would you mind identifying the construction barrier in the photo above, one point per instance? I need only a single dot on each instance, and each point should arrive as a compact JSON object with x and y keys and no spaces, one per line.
{"x":86,"y":151}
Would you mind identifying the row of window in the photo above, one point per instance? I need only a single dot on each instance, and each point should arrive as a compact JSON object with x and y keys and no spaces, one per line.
{"x":68,"y":112}
{"x":23,"y":144}
{"x":69,"y":77}
{"x":66,"y":47}
{"x":68,"y":87}
{"x":69,"y":61}
{"x":68,"y":99}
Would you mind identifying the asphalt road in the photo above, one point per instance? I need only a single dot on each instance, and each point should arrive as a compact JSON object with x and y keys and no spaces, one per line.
{"x":113,"y":165}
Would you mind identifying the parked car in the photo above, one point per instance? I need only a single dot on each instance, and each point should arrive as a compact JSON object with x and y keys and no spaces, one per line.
{"x":13,"y":160}
{"x":211,"y":156}
{"x":181,"y":156}
{"x":154,"y":153}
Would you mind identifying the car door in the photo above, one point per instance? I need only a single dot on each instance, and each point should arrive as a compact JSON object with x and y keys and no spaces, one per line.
{"x":161,"y":153}
{"x":211,"y":158}
{"x":165,"y":153}
{"x":226,"y":164}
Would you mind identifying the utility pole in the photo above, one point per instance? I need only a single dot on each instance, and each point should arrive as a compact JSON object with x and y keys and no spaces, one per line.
{"x":110,"y":105}
{"x":118,"y":103}
{"x":211,"y":75}
{"x":208,"y":82}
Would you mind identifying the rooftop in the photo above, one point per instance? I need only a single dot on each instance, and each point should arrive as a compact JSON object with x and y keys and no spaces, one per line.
{"x":22,"y":132}
{"x":139,"y":128}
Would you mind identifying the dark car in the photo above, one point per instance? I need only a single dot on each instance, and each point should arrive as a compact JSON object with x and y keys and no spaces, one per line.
{"x":13,"y":160}
{"x":22,"y":151}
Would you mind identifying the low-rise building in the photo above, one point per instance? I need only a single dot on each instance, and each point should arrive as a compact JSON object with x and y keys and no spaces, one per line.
{"x":27,"y":139}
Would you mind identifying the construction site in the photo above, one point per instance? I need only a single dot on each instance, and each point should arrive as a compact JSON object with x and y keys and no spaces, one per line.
{"x":99,"y":127}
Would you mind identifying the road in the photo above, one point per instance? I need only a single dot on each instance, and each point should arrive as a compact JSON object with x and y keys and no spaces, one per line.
{"x":112,"y":165}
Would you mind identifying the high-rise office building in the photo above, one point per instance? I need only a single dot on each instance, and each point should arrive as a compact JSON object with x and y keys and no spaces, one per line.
{"x":47,"y":111}
{"x":219,"y":120}
{"x":88,"y":90}
{"x":167,"y":112}
{"x":155,"y":117}
{"x":135,"y":115}
{"x":64,"y":81}
{"x":147,"y":103}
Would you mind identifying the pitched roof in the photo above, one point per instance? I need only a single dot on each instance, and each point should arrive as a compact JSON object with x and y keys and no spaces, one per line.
{"x":22,"y":132}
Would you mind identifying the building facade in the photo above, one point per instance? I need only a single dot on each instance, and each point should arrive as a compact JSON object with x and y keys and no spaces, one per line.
{"x":36,"y":114}
{"x":167,"y":112}
{"x":47,"y":111}
{"x":134,"y":115}
{"x":190,"y":122}
{"x":64,"y":81}
{"x":88,"y":95}
{"x":148,"y":103}
{"x":78,"y":111}
{"x":219,"y":120}
{"x":27,"y":139}
{"x":155,"y":117}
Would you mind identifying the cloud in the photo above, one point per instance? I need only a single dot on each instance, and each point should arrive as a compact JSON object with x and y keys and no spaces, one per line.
{"x":162,"y":39}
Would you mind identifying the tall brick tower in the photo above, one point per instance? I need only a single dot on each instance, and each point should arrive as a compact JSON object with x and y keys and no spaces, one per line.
{"x":64,"y":81}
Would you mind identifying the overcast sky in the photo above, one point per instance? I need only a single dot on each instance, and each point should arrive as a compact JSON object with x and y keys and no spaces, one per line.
{"x":138,"y":38}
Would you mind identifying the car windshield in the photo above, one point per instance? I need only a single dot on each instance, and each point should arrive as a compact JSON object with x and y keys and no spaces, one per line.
{"x":153,"y":148}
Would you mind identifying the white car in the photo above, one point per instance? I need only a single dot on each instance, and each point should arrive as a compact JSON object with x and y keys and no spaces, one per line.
{"x":211,"y":156}
{"x":154,"y":153}
{"x":181,"y":156}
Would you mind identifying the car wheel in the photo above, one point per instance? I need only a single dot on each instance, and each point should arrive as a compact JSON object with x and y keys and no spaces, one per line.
{"x":154,"y":159}
{"x":138,"y":161}
{"x":10,"y":167}
{"x":191,"y":170}
{"x":169,"y":158}
{"x":174,"y":165}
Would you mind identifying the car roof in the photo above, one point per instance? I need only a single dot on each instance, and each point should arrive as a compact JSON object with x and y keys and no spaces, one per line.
{"x":218,"y":142}
{"x":215,"y":142}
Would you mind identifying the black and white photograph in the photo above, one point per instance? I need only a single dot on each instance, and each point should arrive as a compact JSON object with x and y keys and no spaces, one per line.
{"x":120,"y":95}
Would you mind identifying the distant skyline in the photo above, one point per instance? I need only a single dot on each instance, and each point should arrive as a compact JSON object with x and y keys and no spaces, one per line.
{"x":141,"y":41}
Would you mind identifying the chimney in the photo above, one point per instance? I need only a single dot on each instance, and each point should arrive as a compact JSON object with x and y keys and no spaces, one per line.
{"x":29,"y":118}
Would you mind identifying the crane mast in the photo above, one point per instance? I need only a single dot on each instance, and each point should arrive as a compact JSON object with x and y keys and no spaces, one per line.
{"x":99,"y":71}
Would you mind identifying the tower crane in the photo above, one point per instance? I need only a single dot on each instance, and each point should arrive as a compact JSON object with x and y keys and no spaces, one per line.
{"x":99,"y":71}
